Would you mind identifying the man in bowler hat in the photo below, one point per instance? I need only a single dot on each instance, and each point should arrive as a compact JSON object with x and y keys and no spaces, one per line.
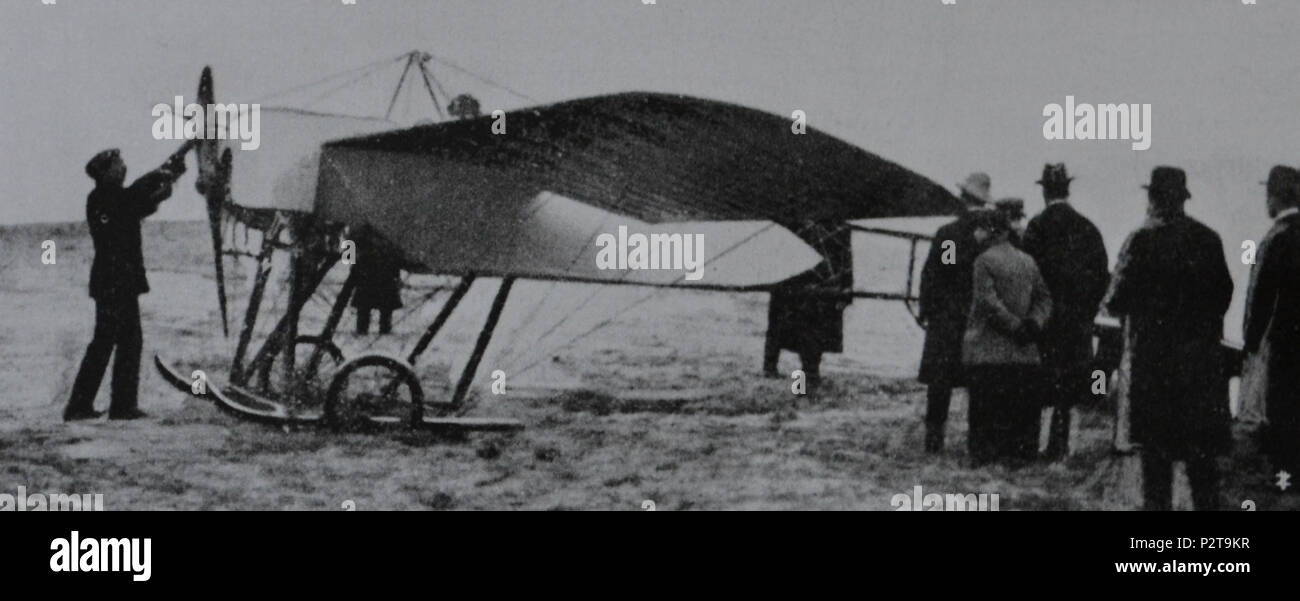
{"x":1172,"y":285}
{"x":117,"y":279}
{"x":1072,"y":258}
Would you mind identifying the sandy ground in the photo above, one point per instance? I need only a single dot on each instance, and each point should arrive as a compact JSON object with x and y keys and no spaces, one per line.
{"x":729,"y":440}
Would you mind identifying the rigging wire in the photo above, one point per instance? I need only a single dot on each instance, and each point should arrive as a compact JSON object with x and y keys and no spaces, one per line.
{"x":310,"y":113}
{"x":826,"y":234}
{"x":351,"y":82}
{"x":483,"y":79}
{"x":512,"y":354}
{"x":620,"y":312}
{"x":267,"y":96}
{"x":555,"y":327}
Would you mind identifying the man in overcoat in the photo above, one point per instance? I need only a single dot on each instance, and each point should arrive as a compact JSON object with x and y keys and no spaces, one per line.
{"x":1272,"y":322}
{"x":945,"y":302}
{"x":1072,"y":258}
{"x":806,"y":312}
{"x":378,"y":276}
{"x":1172,"y":284}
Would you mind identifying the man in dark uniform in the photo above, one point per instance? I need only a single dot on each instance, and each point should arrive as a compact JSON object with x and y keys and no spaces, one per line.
{"x":806,"y":312}
{"x":1273,"y":319}
{"x":117,"y":279}
{"x":1172,"y":284}
{"x":1072,"y":257}
{"x":378,"y":282}
{"x":945,"y":303}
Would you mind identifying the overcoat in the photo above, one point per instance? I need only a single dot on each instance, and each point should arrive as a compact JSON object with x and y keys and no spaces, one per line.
{"x":945,"y":301}
{"x":1172,"y":284}
{"x":1071,"y":255}
{"x":1272,"y":329}
{"x":378,"y":276}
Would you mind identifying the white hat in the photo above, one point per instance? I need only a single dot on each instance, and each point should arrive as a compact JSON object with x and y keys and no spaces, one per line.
{"x":978,"y":186}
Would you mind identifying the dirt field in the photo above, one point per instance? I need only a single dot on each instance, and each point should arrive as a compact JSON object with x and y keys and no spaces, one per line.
{"x":729,"y":440}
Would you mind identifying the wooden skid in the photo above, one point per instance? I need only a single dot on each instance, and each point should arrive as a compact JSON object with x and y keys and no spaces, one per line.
{"x":248,"y":405}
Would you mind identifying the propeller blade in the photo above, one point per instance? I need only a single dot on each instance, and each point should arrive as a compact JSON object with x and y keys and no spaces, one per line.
{"x":213,"y":183}
{"x":215,"y":197}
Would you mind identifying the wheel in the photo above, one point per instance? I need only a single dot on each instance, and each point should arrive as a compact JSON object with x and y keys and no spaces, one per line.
{"x":373,"y":386}
{"x":316,"y":361}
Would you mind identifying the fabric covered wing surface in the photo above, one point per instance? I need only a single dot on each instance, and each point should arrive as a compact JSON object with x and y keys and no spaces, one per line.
{"x":457,"y":197}
{"x":504,"y":226}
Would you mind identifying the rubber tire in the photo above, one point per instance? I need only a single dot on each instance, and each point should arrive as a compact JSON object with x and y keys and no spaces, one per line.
{"x":404,"y":372}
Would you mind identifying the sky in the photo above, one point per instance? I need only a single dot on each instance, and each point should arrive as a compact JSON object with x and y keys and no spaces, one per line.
{"x":944,"y":90}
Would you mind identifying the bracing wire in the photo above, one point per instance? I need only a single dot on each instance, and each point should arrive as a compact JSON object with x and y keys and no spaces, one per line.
{"x":351,"y":82}
{"x":635,"y":304}
{"x":511,"y":355}
{"x":483,"y":79}
{"x":286,"y":91}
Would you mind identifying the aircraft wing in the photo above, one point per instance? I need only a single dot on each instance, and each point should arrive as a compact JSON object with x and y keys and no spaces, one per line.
{"x":530,"y":201}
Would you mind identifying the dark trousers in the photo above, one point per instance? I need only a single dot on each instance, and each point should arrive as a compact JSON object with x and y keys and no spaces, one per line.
{"x":811,"y":364}
{"x":1004,"y":413}
{"x":937,"y":399}
{"x":385,"y":321}
{"x":1158,"y":481}
{"x":809,"y":361}
{"x":117,"y":327}
{"x":771,"y":353}
{"x":1282,"y":435}
{"x":1065,"y":388}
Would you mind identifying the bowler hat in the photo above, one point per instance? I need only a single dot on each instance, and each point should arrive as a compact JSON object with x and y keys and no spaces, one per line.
{"x":97,"y":164}
{"x":1169,"y":182}
{"x":1283,"y":182}
{"x":1013,"y":208}
{"x":990,"y":219}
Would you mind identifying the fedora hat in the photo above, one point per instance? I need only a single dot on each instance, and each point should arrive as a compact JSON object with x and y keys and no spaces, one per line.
{"x":977,"y":185}
{"x":1169,"y":182}
{"x":1283,"y":182}
{"x":1054,"y":175}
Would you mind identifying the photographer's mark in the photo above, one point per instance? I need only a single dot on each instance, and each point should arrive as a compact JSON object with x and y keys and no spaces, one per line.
{"x":50,"y":501}
{"x":1100,"y":122}
{"x":74,"y":554}
{"x":683,"y":252}
{"x":212,"y":122}
{"x":938,"y":502}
